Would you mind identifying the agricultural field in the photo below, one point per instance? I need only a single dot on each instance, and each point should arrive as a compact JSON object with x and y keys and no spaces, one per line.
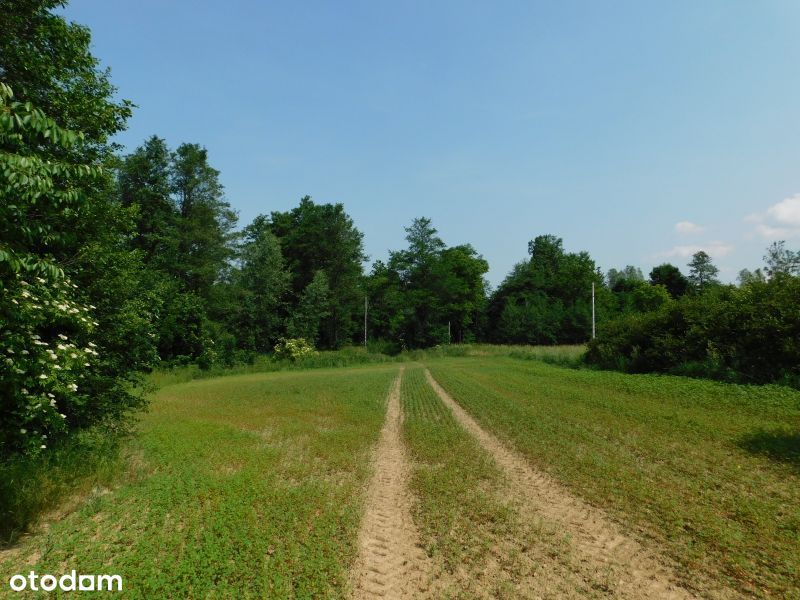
{"x":476,"y":476}
{"x":709,"y":471}
{"x":244,"y":486}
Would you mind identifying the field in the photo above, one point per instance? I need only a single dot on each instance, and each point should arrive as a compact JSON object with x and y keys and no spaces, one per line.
{"x":488,"y":475}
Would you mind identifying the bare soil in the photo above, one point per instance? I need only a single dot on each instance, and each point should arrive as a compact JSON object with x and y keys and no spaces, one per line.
{"x":390,"y":564}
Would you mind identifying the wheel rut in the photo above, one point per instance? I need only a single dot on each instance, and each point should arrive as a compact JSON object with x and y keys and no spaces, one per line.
{"x":602,"y":550}
{"x":391,"y":564}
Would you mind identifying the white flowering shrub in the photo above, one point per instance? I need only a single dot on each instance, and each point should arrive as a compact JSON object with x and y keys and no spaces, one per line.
{"x":293,"y":349}
{"x":46,"y":350}
{"x":44,"y":356}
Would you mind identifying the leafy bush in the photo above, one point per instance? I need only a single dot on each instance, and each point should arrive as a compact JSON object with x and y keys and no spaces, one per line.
{"x":294,"y":349}
{"x":749,"y":334}
{"x":45,"y":353}
{"x":51,"y":375}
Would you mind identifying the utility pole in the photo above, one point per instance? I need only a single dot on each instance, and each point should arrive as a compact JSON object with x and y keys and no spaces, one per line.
{"x":594,"y":330}
{"x":448,"y":333}
{"x":365,"y":322}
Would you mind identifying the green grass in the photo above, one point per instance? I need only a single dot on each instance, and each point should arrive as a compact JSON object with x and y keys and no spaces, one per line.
{"x":465,"y":522}
{"x":31,"y":486}
{"x":710,"y":470}
{"x":566,"y":355}
{"x":243,"y":486}
{"x":356,"y":355}
{"x":346,"y":357}
{"x":252,"y":485}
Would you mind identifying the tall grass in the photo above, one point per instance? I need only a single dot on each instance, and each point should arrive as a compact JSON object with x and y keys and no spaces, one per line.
{"x":31,"y":486}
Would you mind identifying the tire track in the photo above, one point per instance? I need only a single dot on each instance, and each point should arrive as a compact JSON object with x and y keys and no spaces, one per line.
{"x":599,"y":544}
{"x":390,"y":564}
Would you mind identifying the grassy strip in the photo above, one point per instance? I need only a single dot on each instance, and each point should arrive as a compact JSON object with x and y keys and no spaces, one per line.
{"x":346,"y":357}
{"x":354,"y":356}
{"x":246,"y":486}
{"x":568,"y":356}
{"x":465,"y":523}
{"x":710,"y":470}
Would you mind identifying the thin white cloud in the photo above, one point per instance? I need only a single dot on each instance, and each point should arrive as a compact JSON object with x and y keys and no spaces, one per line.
{"x":713,"y":249}
{"x":780,"y":222}
{"x":688,"y":228}
{"x":787,"y":211}
{"x":776,"y":233}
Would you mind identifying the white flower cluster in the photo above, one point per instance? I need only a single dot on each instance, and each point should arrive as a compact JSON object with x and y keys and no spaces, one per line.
{"x":45,"y":350}
{"x":294,"y":349}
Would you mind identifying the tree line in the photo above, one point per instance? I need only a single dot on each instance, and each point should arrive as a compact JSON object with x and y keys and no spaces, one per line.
{"x":112,"y":264}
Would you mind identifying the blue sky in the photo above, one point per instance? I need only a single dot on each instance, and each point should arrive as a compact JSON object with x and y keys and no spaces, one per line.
{"x":639,"y":131}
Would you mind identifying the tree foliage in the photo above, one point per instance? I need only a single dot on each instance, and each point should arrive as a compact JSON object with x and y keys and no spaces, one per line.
{"x":702,"y":272}
{"x":322,"y":237}
{"x":47,"y":61}
{"x":749,"y":334}
{"x":427,"y":290}
{"x":260,"y":287}
{"x":50,"y":380}
{"x":780,"y":260}
{"x":546,"y":299}
{"x":671,"y":278}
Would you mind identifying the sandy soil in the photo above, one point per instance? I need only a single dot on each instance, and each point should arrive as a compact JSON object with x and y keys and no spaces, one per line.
{"x":391,"y":563}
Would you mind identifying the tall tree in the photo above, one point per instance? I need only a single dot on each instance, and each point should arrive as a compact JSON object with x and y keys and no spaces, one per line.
{"x":779,"y":259}
{"x":144,"y":182}
{"x":546,"y":299}
{"x":322,"y":237}
{"x":702,"y":271}
{"x":205,"y":232}
{"x":415,"y":266}
{"x":262,"y":284}
{"x":747,"y":277}
{"x":460,"y":279}
{"x":313,"y":308}
{"x":627,"y":277}
{"x":425,"y":287}
{"x":47,"y":61}
{"x":671,"y":278}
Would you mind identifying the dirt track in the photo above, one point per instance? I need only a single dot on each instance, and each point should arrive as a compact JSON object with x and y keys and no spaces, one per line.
{"x":601,"y":548}
{"x":390,"y":563}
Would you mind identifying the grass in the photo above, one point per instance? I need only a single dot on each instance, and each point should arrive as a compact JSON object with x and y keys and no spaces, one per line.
{"x":465,"y":522}
{"x":252,"y":485}
{"x":356,"y":355}
{"x":566,"y":355}
{"x":346,"y":357}
{"x":244,"y":486}
{"x":31,"y":486}
{"x":709,"y":470}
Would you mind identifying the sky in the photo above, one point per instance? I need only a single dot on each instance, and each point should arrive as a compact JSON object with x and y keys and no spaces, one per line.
{"x":638,"y":131}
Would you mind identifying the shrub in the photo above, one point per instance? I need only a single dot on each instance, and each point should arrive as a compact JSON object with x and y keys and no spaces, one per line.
{"x":293,"y":349}
{"x":44,"y":356}
{"x":749,"y":334}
